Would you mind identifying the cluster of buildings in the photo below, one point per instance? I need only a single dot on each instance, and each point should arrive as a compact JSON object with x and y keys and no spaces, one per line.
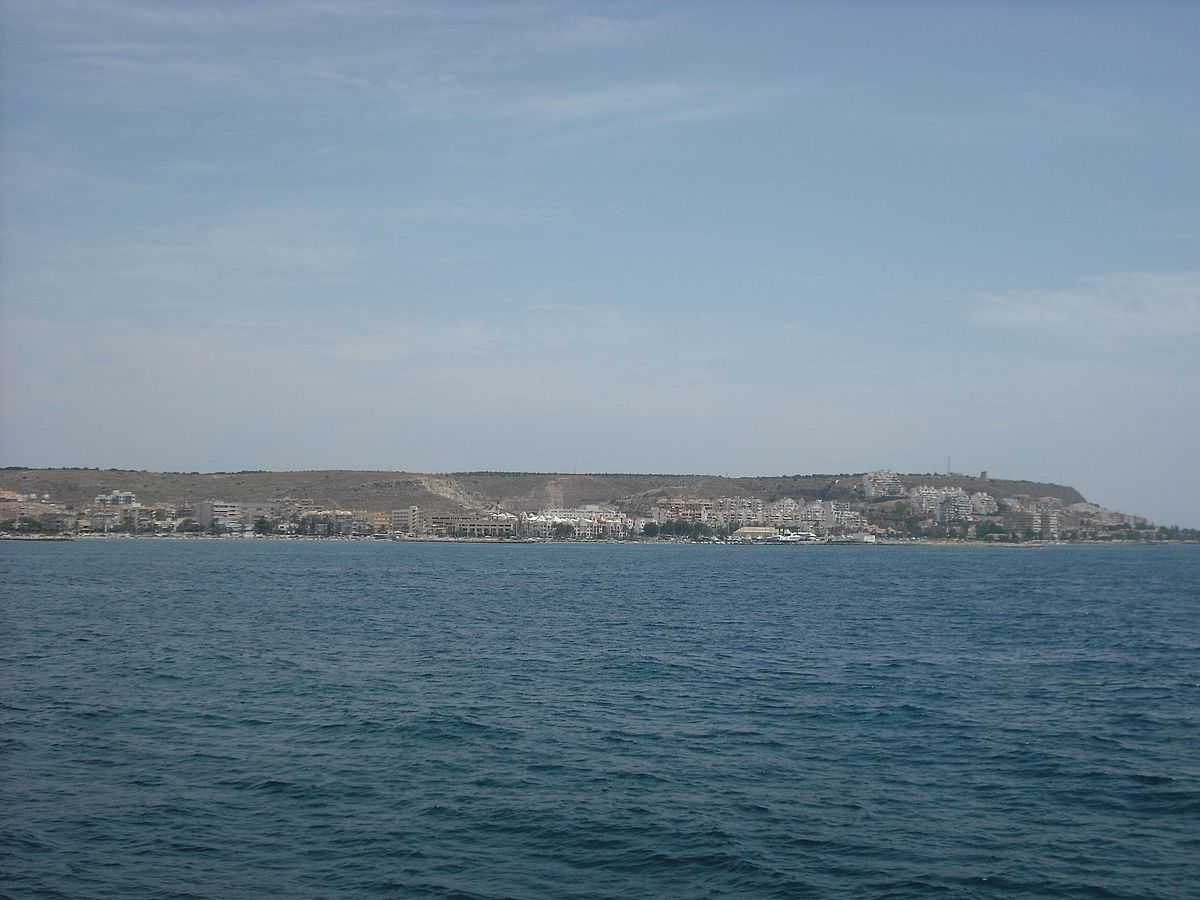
{"x":950,"y":505}
{"x":787,"y":514}
{"x":883,"y":506}
{"x":919,"y":510}
{"x":121,"y":511}
{"x":19,"y":509}
{"x":1046,"y":518}
{"x":956,"y":508}
{"x":588,"y":522}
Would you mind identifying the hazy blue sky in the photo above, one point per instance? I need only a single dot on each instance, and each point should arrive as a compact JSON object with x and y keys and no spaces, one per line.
{"x":743,"y":238}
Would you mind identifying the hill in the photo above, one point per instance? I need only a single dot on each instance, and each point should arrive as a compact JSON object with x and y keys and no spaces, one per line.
{"x":515,"y":491}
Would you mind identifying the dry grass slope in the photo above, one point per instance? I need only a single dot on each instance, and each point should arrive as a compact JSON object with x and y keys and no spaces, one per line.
{"x":471,"y":490}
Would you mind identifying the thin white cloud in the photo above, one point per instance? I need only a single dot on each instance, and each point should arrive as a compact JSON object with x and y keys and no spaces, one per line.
{"x":263,"y":254}
{"x":566,"y":106}
{"x":654,"y":101}
{"x":1072,"y":111}
{"x":470,"y":215}
{"x":1110,"y":308}
{"x":23,"y":170}
{"x":601,"y":31}
{"x":393,"y":342}
{"x":473,"y":62}
{"x":265,"y":15}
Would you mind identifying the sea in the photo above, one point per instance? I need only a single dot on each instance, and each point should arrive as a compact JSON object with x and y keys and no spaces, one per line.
{"x":248,"y":719}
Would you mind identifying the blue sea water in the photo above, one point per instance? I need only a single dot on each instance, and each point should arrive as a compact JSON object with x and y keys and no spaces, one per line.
{"x":285,"y":719}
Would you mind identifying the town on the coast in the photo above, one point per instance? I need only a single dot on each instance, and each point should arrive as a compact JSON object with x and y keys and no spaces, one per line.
{"x":872,"y":508}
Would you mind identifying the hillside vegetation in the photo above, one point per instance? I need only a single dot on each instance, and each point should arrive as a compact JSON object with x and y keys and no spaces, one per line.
{"x":472,"y":490}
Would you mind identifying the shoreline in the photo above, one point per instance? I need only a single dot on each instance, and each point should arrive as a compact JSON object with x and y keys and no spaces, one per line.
{"x":916,"y":542}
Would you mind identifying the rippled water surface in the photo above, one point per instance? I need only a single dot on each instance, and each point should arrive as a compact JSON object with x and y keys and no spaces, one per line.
{"x":253,"y":719}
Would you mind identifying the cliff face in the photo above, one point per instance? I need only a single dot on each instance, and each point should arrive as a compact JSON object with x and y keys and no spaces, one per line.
{"x":477,"y":490}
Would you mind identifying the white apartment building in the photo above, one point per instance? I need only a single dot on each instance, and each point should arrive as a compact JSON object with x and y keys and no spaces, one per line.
{"x":116,"y":499}
{"x":475,"y":525}
{"x":1042,"y":524}
{"x":783,"y":512}
{"x":740,"y":511}
{"x":840,"y":515}
{"x":924,"y":500}
{"x":220,"y":513}
{"x":1050,"y":526}
{"x":685,"y":509}
{"x":882,"y":484}
{"x":827,"y":514}
{"x":589,"y":523}
{"x":271,"y":510}
{"x":408,"y":521}
{"x":947,"y":504}
{"x":984,"y":504}
{"x":955,"y":507}
{"x":813,"y":513}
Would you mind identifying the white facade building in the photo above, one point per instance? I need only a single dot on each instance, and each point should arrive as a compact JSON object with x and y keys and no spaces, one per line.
{"x":783,"y":512}
{"x":924,"y":500}
{"x":740,"y":511}
{"x":882,"y":484}
{"x":955,"y":507}
{"x":408,"y":521}
{"x":588,"y":523}
{"x":227,"y":516}
{"x":116,"y":499}
{"x":685,"y":509}
{"x":984,"y":504}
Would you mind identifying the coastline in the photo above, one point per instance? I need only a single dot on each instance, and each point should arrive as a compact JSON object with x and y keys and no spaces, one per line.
{"x":916,"y":542}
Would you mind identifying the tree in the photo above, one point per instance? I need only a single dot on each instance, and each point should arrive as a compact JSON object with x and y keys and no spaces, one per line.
{"x":984,"y":530}
{"x":564,"y":531}
{"x":262,"y":526}
{"x":650,"y":529}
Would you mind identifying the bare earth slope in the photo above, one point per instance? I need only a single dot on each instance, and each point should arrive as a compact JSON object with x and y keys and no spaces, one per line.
{"x":346,"y":490}
{"x":470,"y":490}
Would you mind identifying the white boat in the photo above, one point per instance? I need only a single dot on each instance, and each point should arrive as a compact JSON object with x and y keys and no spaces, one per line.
{"x":797,"y":537}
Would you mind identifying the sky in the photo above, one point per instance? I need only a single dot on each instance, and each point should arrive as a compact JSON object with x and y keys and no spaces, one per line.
{"x":753,"y":238}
